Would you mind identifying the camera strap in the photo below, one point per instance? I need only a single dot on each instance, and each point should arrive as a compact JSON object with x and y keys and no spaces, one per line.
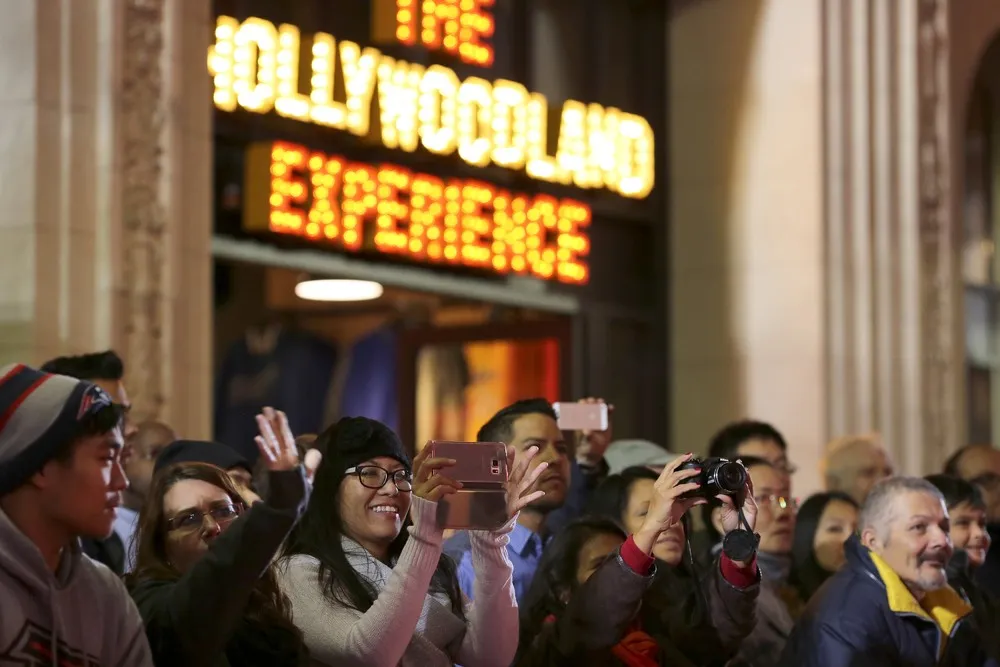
{"x":741,"y":544}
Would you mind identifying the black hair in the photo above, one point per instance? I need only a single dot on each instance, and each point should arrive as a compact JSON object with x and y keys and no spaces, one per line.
{"x":807,"y":574}
{"x":726,"y":443}
{"x":105,"y":365}
{"x":610,"y":498}
{"x":319,"y":532}
{"x":706,"y":509}
{"x":554,"y":581}
{"x":957,"y":491}
{"x":100,"y":422}
{"x":500,"y":427}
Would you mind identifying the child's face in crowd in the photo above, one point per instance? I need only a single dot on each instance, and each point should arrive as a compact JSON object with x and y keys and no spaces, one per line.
{"x":593,"y":554}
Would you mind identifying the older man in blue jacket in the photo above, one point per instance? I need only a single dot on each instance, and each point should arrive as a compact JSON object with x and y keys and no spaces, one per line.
{"x":890,"y":605}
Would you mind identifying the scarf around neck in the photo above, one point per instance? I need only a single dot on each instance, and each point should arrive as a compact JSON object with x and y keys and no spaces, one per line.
{"x":438,"y":632}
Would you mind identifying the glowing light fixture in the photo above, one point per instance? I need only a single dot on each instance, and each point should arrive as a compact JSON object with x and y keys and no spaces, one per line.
{"x":338,"y":290}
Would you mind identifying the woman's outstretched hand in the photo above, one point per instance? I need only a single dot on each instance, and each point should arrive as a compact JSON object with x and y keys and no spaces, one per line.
{"x":276,"y":442}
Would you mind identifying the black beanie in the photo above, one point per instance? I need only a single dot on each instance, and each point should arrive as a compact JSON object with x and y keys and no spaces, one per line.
{"x":359,"y":439}
{"x":200,"y":451}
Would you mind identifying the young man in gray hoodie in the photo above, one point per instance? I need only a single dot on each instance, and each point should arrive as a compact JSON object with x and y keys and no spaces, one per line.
{"x":61,"y":479}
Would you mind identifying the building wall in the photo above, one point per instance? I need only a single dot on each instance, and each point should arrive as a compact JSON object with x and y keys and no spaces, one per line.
{"x":106,"y":176}
{"x":815,"y":255}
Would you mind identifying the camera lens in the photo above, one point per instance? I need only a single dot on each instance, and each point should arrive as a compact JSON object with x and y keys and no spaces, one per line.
{"x":731,"y":477}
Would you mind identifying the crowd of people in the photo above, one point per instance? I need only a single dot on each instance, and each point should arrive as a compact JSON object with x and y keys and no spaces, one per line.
{"x":123,"y":544}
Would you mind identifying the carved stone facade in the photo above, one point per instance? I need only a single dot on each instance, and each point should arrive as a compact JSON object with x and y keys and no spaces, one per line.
{"x":145,"y":251}
{"x":941,"y":353}
{"x":105,"y":241}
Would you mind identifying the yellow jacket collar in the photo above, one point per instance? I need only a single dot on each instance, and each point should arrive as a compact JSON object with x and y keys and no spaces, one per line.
{"x":944,"y":606}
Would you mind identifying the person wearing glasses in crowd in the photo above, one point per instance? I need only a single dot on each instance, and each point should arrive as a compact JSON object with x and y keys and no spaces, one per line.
{"x":778,"y":604}
{"x":365,"y":572}
{"x":980,"y":464}
{"x":61,"y":479}
{"x":204,"y":582}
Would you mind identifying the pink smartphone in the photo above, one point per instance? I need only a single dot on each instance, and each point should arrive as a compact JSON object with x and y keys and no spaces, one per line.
{"x":582,"y":416}
{"x":481,"y":467}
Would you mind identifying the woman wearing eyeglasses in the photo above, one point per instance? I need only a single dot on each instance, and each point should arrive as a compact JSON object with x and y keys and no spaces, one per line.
{"x":203,"y":580}
{"x":364,"y":570}
{"x":778,"y":605}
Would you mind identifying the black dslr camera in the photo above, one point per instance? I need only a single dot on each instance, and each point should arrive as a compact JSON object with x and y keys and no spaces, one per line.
{"x":718,"y":476}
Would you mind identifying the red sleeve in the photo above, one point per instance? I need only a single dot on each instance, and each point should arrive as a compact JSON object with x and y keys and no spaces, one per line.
{"x":637,"y":561}
{"x":740,"y":577}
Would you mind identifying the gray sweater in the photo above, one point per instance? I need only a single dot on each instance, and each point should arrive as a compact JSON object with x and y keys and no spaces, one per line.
{"x":81,"y":614}
{"x":408,"y":626}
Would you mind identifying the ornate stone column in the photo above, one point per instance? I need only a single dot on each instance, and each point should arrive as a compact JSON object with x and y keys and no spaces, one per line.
{"x":105,"y":239}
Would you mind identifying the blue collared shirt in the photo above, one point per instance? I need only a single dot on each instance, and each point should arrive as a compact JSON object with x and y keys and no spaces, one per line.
{"x":524,"y":551}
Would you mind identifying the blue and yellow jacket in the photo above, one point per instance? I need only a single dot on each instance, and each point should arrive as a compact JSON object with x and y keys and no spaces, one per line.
{"x":864,"y":616}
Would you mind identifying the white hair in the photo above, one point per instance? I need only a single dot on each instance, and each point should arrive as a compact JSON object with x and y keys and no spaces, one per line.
{"x":877,"y":512}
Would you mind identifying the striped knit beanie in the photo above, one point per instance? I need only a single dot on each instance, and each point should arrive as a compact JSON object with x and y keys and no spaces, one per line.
{"x":39,"y":413}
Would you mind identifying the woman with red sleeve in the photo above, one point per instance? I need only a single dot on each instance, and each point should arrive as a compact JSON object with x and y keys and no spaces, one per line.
{"x":582,"y":606}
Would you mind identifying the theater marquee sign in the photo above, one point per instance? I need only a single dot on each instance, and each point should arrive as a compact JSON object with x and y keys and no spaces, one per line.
{"x":258,"y":66}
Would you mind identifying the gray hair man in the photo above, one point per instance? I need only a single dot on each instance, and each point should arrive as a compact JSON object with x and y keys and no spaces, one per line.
{"x":891,"y":603}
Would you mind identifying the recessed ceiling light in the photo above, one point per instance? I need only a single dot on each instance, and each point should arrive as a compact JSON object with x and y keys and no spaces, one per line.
{"x":338,"y":290}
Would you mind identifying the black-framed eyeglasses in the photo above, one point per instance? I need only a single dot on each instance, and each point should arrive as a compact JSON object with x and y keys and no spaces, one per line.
{"x":375,"y":477}
{"x":192,"y":521}
{"x":988,"y":481}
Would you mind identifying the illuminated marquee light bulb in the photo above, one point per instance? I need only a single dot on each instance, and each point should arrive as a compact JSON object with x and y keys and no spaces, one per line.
{"x":475,"y":111}
{"x":359,"y":82}
{"x":406,"y":22}
{"x":399,"y":103}
{"x":510,"y":124}
{"x":540,"y":165}
{"x":325,"y":111}
{"x":289,"y":102}
{"x":571,"y":152}
{"x":636,"y":157}
{"x":221,"y":59}
{"x":438,"y":109}
{"x":602,"y":146}
{"x":254,"y":84}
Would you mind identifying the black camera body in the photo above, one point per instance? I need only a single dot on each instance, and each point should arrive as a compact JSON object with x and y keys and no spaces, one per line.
{"x":718,"y":476}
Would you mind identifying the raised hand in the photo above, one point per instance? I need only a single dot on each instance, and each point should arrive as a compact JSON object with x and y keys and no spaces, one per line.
{"x":520,"y":481}
{"x":276,"y":442}
{"x":666,"y":506}
{"x":730,"y":517}
{"x":428,"y":482}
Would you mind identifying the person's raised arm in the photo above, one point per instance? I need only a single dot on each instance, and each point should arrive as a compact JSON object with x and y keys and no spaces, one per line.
{"x":335,"y":634}
{"x":199,"y":612}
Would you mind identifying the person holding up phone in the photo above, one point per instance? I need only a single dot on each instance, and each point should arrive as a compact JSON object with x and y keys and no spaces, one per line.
{"x":364,"y":570}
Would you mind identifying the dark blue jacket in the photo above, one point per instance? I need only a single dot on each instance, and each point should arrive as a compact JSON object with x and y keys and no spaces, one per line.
{"x":864,"y":616}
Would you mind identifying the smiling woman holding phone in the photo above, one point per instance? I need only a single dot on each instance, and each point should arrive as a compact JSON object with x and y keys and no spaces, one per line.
{"x":364,"y":571}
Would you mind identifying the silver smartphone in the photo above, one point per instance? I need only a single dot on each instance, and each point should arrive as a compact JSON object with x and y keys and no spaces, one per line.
{"x":481,"y":467}
{"x":581,"y":416}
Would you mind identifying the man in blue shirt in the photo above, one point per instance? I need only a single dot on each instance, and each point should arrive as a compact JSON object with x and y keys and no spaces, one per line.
{"x":527,"y":423}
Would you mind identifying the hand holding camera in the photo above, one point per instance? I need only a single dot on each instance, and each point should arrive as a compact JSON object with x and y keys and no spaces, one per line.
{"x":675,"y":492}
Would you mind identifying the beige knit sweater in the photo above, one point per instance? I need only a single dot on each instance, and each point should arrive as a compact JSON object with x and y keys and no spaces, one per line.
{"x":407,"y":626}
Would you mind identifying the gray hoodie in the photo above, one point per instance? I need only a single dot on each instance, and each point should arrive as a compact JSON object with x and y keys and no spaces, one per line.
{"x":80,"y":616}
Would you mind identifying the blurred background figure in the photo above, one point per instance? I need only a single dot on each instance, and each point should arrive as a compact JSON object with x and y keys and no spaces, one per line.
{"x":146,"y":443}
{"x":854,"y":464}
{"x":823,"y":524}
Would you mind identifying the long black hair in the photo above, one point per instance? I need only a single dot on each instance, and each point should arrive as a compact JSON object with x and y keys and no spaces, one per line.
{"x":319,"y":531}
{"x":807,"y":574}
{"x":554,"y":582}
